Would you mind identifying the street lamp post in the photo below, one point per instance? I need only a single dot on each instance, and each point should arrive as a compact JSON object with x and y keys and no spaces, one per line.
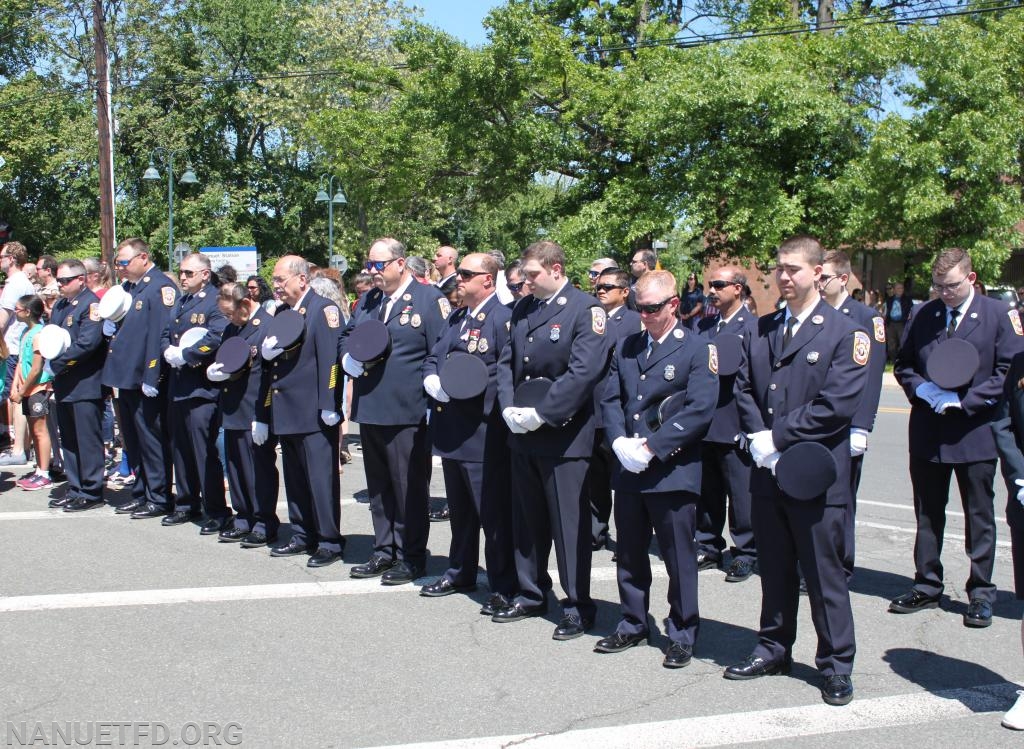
{"x":332,"y":198}
{"x":166,"y":156}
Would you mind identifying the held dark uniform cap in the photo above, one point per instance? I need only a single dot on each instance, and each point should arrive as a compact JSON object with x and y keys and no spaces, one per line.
{"x":369,"y":342}
{"x":659,"y":413}
{"x":806,"y":470}
{"x":730,"y":352}
{"x":288,"y":326}
{"x":463,"y":376}
{"x":953,"y":363}
{"x":234,"y":356}
{"x":531,"y":393}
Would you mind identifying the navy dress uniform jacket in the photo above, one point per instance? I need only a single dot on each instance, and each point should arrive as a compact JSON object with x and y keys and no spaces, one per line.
{"x":468,"y":429}
{"x":391,"y":392}
{"x":874,"y":324}
{"x":623,"y":323}
{"x":135,"y":357}
{"x":960,"y":435}
{"x":684,"y":363}
{"x":78,"y":371}
{"x":725,"y":426}
{"x":291,"y":386}
{"x":197,"y":310}
{"x":566,"y":342}
{"x":237,"y":399}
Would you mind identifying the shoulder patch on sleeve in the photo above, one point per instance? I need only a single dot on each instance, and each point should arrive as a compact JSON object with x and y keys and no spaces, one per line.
{"x":1015,"y":321}
{"x":879,"y":326}
{"x":167,"y":294}
{"x":333,"y":316}
{"x":713,"y":358}
{"x":94,"y":312}
{"x":446,"y":308}
{"x":861,"y":348}
{"x":598,"y":320}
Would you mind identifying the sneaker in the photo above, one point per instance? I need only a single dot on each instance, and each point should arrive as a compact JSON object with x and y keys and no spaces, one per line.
{"x":1014,"y":717}
{"x":11,"y":458}
{"x":35,"y":481}
{"x":128,"y":480}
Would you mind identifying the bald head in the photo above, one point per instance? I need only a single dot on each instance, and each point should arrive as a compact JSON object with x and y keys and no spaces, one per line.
{"x":445,"y":260}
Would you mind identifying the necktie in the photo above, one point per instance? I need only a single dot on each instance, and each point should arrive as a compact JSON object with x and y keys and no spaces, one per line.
{"x":186,"y":299}
{"x":951,"y":328}
{"x":383,"y":314}
{"x":788,"y":335}
{"x":721,"y":324}
{"x":653,"y":347}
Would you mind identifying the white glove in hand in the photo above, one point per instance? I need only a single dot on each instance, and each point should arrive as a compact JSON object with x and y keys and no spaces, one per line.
{"x":260,"y":432}
{"x":945,"y":399}
{"x":511,"y":417}
{"x":330,"y":418}
{"x":109,"y":328}
{"x":149,"y":391}
{"x":858,"y":441}
{"x":529,"y":419}
{"x":269,"y":348}
{"x":625,"y":450}
{"x":927,"y":391}
{"x":172,"y":355}
{"x":761,"y":446}
{"x":641,"y":453}
{"x":1020,"y":491}
{"x":432,"y":384}
{"x":353,"y":367}
{"x":215,"y":373}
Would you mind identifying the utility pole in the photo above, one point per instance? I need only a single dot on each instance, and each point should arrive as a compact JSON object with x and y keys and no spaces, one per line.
{"x":105,"y":135}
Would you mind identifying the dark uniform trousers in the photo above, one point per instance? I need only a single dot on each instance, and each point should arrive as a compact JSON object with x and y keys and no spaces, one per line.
{"x":253,"y":480}
{"x":725,"y":472}
{"x":81,"y":425}
{"x":311,"y":483}
{"x":396,"y":459}
{"x":198,"y":472}
{"x":600,"y":489}
{"x":147,"y":443}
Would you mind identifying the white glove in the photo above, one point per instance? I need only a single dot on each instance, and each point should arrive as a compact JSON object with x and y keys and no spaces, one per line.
{"x":330,"y":418}
{"x":641,"y":453}
{"x":172,"y":355}
{"x":1020,"y":491}
{"x":149,"y":391}
{"x":260,"y":432}
{"x":625,"y":450}
{"x":858,"y":441}
{"x":109,"y":328}
{"x":770,"y":462}
{"x":946,"y":399}
{"x":927,"y":391}
{"x":432,"y":384}
{"x":761,"y":446}
{"x":269,"y":348}
{"x":529,"y":419}
{"x":511,"y":417}
{"x":47,"y":369}
{"x":353,"y":367}
{"x":215,"y":373}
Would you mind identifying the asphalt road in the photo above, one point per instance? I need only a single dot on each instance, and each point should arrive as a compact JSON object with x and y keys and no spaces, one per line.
{"x":106,"y":621}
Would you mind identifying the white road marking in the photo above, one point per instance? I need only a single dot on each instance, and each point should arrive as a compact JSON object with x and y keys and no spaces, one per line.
{"x":910,"y":508}
{"x":947,"y":537}
{"x":762,"y":725}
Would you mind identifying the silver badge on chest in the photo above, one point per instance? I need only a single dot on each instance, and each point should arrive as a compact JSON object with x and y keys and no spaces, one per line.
{"x":670,"y":372}
{"x":812,"y":357}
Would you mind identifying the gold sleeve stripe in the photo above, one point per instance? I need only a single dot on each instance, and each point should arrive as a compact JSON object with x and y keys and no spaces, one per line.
{"x":334,"y":376}
{"x":152,"y":364}
{"x":266,"y":403}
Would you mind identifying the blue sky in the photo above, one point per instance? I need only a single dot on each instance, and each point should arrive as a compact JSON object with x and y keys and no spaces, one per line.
{"x":461,"y":18}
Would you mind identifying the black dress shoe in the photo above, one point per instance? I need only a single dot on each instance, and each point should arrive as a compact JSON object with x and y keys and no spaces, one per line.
{"x":617,"y":642}
{"x":290,"y":549}
{"x":706,"y":560}
{"x":755,"y":666}
{"x":571,"y":626}
{"x":837,"y":690}
{"x":441,"y":516}
{"x":678,"y":655}
{"x":180,"y":517}
{"x":495,"y":602}
{"x":214,"y":525}
{"x":149,"y":510}
{"x":255,"y":539}
{"x":61,"y":502}
{"x":979,"y":614}
{"x":80,"y":504}
{"x":445,"y":587}
{"x":401,"y":573}
{"x":323,"y":557}
{"x":915,"y":600}
{"x":129,"y":508}
{"x":739,"y":571}
{"x":516,"y":611}
{"x":232,"y":535}
{"x":376,"y":566}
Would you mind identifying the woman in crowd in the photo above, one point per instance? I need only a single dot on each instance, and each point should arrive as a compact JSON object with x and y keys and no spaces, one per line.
{"x":32,"y":388}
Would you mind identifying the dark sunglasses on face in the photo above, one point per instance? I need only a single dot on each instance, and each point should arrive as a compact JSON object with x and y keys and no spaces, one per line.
{"x":651,"y":309}
{"x":593,"y":273}
{"x":65,"y":280}
{"x":465,"y":273}
{"x":379,"y":265}
{"x":124,"y":263}
{"x":515,"y":287}
{"x":608,"y":287}
{"x":721,"y":284}
{"x":187,"y":273}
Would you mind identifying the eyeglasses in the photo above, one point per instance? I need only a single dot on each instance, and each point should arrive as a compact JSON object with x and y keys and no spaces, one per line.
{"x":281,"y":281}
{"x":515,"y":287}
{"x":379,"y":265}
{"x":187,"y":273}
{"x":593,"y":273}
{"x":718,"y":285}
{"x":608,"y":287}
{"x":125,"y":263}
{"x":651,"y":309}
{"x":65,"y":280}
{"x":948,"y":288}
{"x":465,"y":273}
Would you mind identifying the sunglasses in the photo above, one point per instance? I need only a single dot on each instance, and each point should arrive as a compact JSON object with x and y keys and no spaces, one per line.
{"x":465,"y":273}
{"x":721,"y":284}
{"x":515,"y":287}
{"x":608,"y":287}
{"x":379,"y":265}
{"x":65,"y":280}
{"x":593,"y":273}
{"x":187,"y":273}
{"x":651,"y":309}
{"x":125,"y":263}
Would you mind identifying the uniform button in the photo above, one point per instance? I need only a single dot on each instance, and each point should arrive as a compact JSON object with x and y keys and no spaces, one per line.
{"x":276,"y":391}
{"x":636,"y":417}
{"x":225,"y":390}
{"x":643,"y":377}
{"x":771,"y":411}
{"x":530,"y":339}
{"x":526,"y":358}
{"x":275,"y":377}
{"x":439,"y":409}
{"x":639,"y":397}
{"x":772,"y":386}
{"x":778,"y":364}
{"x":527,"y":377}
